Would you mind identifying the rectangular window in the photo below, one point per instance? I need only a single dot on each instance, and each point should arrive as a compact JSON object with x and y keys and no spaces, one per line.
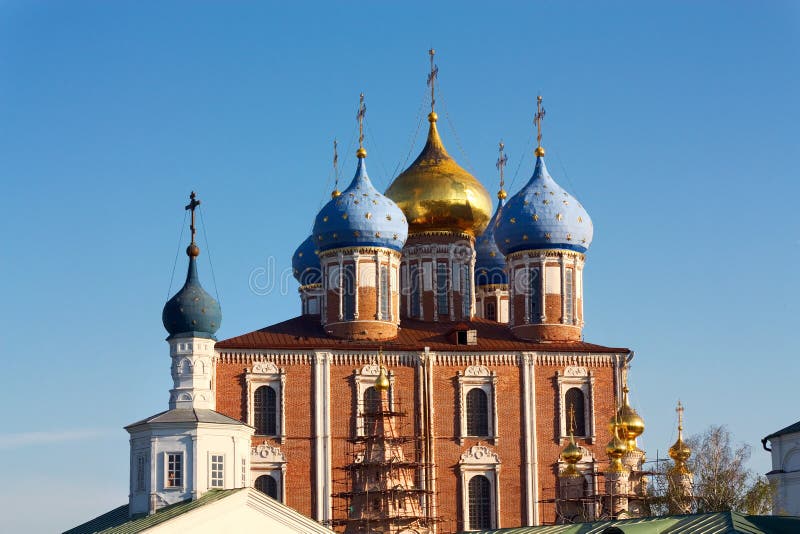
{"x":216,"y":471}
{"x":386,"y":296}
{"x":140,"y":472}
{"x":467,"y":307}
{"x":442,"y":297}
{"x":244,"y":472}
{"x":416,"y":308}
{"x":174,"y":470}
{"x":568,"y":295}
{"x":534,"y":296}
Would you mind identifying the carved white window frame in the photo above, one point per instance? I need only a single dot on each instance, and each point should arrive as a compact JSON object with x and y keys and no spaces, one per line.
{"x":480,"y":460}
{"x":266,"y":459}
{"x":583,"y":379}
{"x":364,"y":379}
{"x":165,"y":471}
{"x":267,"y":374}
{"x":478,"y":377}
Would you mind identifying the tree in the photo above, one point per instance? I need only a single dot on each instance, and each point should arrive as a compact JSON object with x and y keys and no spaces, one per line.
{"x":722,"y":480}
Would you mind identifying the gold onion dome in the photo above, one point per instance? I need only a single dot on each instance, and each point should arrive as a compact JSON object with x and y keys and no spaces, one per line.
{"x":437,"y":195}
{"x":382,"y":382}
{"x":628,"y":423}
{"x":616,"y":448}
{"x":680,"y":451}
{"x":571,"y":455}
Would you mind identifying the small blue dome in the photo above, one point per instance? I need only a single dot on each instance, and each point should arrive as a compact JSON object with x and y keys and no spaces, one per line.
{"x":305,"y":263}
{"x":192,"y":311}
{"x":360,"y":216}
{"x":541,"y":216}
{"x":490,"y":264}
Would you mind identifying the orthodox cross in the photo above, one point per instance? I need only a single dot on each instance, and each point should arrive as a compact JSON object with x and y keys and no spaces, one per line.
{"x":432,"y":75}
{"x":571,"y":418}
{"x":679,"y":409}
{"x":335,"y":192}
{"x":362,"y":111}
{"x":501,"y":163}
{"x":537,"y":120}
{"x":192,"y":205}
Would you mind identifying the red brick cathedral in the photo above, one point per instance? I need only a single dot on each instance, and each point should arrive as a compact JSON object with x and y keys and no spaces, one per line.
{"x":470,"y":318}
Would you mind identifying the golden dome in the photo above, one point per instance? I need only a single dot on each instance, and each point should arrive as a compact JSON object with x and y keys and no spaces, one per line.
{"x":680,"y":451}
{"x":571,"y":455}
{"x":436,"y":194}
{"x":616,"y":448}
{"x":382,"y":382}
{"x":628,"y":423}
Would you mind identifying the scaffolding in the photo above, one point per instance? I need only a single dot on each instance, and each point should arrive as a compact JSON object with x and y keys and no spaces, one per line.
{"x":381,"y":489}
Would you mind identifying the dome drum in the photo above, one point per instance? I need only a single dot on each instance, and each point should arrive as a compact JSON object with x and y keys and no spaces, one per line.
{"x":438,"y":279}
{"x":546,"y":296}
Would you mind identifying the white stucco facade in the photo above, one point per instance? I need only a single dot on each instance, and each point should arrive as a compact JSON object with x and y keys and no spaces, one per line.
{"x":785,"y":473}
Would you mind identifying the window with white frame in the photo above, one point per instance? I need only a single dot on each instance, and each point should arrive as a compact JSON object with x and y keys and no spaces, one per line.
{"x":534,"y":295}
{"x":268,"y":470}
{"x":569,"y":296}
{"x":216,"y":471}
{"x":265,"y":406}
{"x":367,"y":398}
{"x":466,"y":311}
{"x":575,"y":386}
{"x":442,"y":295}
{"x":244,"y":472}
{"x":174,"y":470}
{"x":479,"y":471}
{"x":386,"y":296}
{"x":477,"y":403}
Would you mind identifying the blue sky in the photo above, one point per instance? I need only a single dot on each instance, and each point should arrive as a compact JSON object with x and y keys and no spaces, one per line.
{"x":674,"y":124}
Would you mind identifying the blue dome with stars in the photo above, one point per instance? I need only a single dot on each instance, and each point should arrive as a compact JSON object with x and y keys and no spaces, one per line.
{"x":192,"y":312}
{"x":490,"y":264}
{"x":360,"y":217}
{"x":542,"y":215}
{"x":305,"y":263}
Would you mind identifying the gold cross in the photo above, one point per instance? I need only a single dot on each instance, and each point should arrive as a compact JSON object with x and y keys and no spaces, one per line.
{"x":193,"y":203}
{"x":432,"y":75}
{"x":537,"y":120}
{"x":679,"y":409}
{"x":362,"y":111}
{"x":335,"y":192}
{"x":501,"y":163}
{"x":571,"y":419}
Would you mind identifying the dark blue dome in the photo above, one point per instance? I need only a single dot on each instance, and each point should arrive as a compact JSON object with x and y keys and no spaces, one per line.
{"x":542,"y":215}
{"x":192,"y":311}
{"x":490,"y":264}
{"x":305,"y":263}
{"x":360,"y":216}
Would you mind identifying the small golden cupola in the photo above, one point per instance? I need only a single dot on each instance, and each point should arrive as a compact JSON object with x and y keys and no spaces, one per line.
{"x":436,"y":193}
{"x":571,"y":454}
{"x":628,"y":423}
{"x":680,"y":452}
{"x":617,"y":447}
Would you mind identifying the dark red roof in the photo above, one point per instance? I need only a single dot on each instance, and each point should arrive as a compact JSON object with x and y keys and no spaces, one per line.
{"x":307,"y":332}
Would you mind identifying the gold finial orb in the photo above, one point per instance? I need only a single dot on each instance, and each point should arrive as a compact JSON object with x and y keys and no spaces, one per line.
{"x":336,"y":193}
{"x":361,"y":153}
{"x":502,"y":194}
{"x":192,"y":250}
{"x":539,"y":152}
{"x":433,"y":116}
{"x":382,"y":382}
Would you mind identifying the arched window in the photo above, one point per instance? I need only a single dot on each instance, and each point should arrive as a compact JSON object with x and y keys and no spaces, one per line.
{"x":265,"y":408}
{"x":574,"y":403}
{"x":415,"y":289}
{"x":491,"y":310}
{"x":534,"y":296}
{"x":477,"y":413}
{"x":268,"y":485}
{"x":442,"y":297}
{"x":386,"y":297}
{"x":372,"y":405}
{"x":480,"y":503}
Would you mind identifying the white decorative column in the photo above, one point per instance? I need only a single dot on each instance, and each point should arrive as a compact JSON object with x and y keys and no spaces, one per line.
{"x":323,"y":483}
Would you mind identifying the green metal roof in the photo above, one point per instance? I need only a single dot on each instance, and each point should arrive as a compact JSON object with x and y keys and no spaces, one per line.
{"x":117,"y":520}
{"x":716,"y":523}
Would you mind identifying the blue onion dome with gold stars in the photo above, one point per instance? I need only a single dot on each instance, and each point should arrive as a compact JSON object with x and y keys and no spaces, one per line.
{"x":305,"y":263}
{"x":192,"y":312}
{"x":360,"y":217}
{"x":542,"y":215}
{"x":490,"y":264}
